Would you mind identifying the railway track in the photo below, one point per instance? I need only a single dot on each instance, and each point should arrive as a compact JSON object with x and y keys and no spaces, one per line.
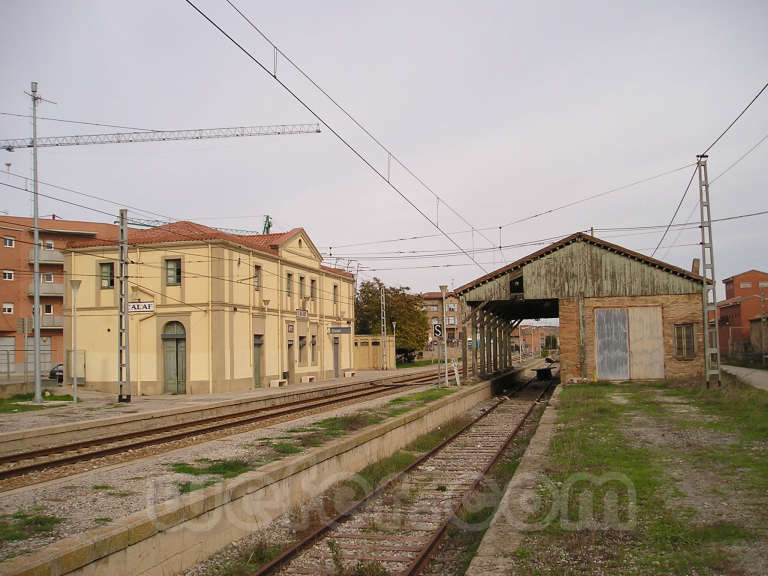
{"x":398,"y":525}
{"x":134,"y":445}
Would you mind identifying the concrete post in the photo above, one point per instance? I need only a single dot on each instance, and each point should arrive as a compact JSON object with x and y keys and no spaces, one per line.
{"x":464,"y":358}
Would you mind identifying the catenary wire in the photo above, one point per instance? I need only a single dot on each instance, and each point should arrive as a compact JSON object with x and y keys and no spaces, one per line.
{"x":335,"y":133}
{"x":735,"y":120}
{"x":78,"y":122}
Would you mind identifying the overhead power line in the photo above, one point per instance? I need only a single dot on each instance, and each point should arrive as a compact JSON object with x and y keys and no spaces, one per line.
{"x":735,"y":120}
{"x":344,"y":141}
{"x":78,"y":122}
{"x":344,"y":111}
{"x":685,"y":193}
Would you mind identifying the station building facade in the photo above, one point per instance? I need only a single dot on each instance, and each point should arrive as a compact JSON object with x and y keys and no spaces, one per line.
{"x":622,"y":315}
{"x":215,"y":312}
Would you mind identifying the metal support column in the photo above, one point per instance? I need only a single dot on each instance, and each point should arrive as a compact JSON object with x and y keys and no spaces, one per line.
{"x":708,"y":291}
{"x":123,"y":342}
{"x":475,"y":339}
{"x":763,"y":319}
{"x":36,"y":263}
{"x":384,"y":363}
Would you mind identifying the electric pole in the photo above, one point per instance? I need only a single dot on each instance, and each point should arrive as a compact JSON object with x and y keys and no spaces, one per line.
{"x":123,"y":348}
{"x":36,"y":274}
{"x":443,"y":290}
{"x":708,"y":290}
{"x":383,"y":329}
{"x":762,"y":324}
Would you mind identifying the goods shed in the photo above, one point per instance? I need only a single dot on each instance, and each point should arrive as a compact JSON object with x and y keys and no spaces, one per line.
{"x":623,"y":315}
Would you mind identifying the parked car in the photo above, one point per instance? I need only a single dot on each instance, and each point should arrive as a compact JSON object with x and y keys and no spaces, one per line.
{"x":57,"y":373}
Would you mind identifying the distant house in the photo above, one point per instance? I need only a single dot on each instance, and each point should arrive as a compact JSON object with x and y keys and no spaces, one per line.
{"x":433,"y":309}
{"x":742,"y":302}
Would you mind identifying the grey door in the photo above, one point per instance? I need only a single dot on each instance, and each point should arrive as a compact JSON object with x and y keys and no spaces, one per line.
{"x":612,"y":345}
{"x":258,"y":342}
{"x":174,"y":358}
{"x":336,"y":356}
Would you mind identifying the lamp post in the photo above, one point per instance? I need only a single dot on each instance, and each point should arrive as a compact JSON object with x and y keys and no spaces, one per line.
{"x":394,"y":340}
{"x":75,"y":285}
{"x":443,"y":290}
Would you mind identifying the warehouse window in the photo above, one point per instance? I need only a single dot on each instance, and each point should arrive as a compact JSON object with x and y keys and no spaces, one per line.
{"x":257,"y":278}
{"x":107,"y":272}
{"x":684,"y":341}
{"x":173,"y":272}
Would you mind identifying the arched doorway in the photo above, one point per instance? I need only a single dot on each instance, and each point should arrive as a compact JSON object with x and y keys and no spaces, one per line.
{"x":174,"y":358}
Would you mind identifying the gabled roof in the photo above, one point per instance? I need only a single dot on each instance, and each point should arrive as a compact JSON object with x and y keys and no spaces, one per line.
{"x":436,"y":295}
{"x":743,"y":273}
{"x":580,"y":237}
{"x":185,"y":231}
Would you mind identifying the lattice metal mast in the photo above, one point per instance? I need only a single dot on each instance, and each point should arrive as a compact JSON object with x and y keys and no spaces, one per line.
{"x":384,"y":363}
{"x":162,"y":136}
{"x":123,"y":343}
{"x":709,"y":290}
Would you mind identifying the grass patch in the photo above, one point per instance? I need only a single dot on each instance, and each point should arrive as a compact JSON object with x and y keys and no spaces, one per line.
{"x":188,"y":486}
{"x":102,"y":487}
{"x":596,"y":437}
{"x":286,"y":448}
{"x":24,"y":524}
{"x":223,"y":468}
{"x":9,"y":405}
{"x":417,"y":364}
{"x":102,"y":520}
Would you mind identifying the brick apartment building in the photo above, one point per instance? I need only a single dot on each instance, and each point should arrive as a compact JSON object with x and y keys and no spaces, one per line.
{"x":433,"y":309}
{"x":534,"y":337}
{"x":16,"y":287}
{"x":741,"y":305}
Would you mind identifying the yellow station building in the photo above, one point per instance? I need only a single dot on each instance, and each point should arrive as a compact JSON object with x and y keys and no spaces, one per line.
{"x":211,"y":311}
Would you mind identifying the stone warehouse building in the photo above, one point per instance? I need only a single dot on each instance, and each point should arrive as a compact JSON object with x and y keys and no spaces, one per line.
{"x":216,"y":312}
{"x":622,"y":315}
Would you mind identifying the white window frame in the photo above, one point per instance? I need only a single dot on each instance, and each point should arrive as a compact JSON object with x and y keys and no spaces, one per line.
{"x":9,"y":242}
{"x":8,"y":275}
{"x":7,"y":307}
{"x":45,"y":277}
{"x":48,"y":245}
{"x":45,"y":309}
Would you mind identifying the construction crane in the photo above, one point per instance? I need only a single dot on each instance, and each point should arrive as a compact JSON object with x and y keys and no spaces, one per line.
{"x":162,"y":136}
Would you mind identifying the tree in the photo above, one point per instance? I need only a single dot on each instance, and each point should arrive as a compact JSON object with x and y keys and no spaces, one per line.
{"x":401,"y":307}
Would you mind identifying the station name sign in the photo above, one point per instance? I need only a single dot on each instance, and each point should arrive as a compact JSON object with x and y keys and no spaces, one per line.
{"x":340,"y":330}
{"x":138,"y":307}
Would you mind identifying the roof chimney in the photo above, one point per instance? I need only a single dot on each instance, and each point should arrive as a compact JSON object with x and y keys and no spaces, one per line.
{"x":695,"y":266}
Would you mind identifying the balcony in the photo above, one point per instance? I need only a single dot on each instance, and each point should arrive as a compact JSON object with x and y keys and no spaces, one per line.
{"x":47,"y":257}
{"x":52,"y":322}
{"x":47,"y":289}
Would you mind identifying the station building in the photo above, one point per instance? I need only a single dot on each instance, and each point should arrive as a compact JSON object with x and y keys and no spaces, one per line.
{"x":622,"y":315}
{"x":212,"y":312}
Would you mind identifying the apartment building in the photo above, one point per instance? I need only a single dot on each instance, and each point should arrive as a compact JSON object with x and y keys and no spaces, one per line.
{"x":432,"y":306}
{"x":742,"y":303}
{"x":211,"y":311}
{"x":17,"y":288}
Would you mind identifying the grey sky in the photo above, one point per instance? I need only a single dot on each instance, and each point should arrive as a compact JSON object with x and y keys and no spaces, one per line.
{"x":505,"y":109}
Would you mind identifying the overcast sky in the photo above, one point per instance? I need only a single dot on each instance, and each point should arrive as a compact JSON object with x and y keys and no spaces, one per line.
{"x":505,"y":109}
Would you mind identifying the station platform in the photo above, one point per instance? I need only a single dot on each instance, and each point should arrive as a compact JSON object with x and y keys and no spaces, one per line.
{"x":95,"y":405}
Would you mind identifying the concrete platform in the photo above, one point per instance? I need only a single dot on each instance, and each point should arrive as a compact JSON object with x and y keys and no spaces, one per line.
{"x":94,"y":405}
{"x":752,"y":376}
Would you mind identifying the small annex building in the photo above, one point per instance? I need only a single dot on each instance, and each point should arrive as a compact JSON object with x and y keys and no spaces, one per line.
{"x":622,"y":315}
{"x":210,"y":311}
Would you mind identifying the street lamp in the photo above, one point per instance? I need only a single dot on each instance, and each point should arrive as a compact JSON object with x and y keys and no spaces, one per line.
{"x":394,"y":340}
{"x":75,"y":285}
{"x":443,"y":290}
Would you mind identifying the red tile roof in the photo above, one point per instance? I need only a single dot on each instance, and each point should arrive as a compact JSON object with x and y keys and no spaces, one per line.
{"x":185,"y":231}
{"x":436,"y":295}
